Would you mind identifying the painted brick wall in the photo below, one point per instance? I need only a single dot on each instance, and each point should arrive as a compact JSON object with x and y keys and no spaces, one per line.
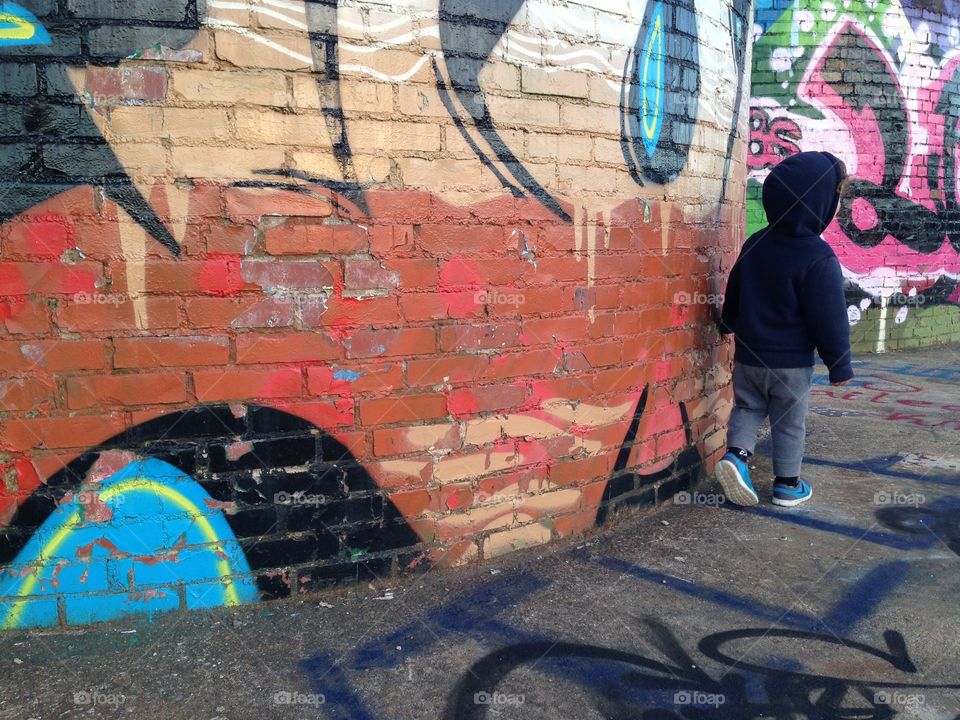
{"x":298,"y":294}
{"x":877,"y":83}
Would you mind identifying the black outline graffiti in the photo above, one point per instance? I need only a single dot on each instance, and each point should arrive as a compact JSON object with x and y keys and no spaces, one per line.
{"x":355,"y":514}
{"x":464,"y":64}
{"x":626,"y":489}
{"x":790,"y":693}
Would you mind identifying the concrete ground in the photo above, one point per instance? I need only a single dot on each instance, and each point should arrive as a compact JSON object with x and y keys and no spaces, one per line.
{"x":843,"y":608}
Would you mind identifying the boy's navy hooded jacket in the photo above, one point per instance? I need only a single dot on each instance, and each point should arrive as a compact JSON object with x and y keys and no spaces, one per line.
{"x":785,"y":295}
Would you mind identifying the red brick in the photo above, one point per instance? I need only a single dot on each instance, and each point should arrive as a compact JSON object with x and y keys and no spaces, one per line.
{"x":216,"y":312}
{"x":161,"y":312}
{"x":629,"y":322}
{"x":457,"y":496}
{"x":387,"y":240}
{"x":546,"y":450}
{"x":49,"y":278}
{"x":323,"y":381}
{"x":234,"y":384}
{"x":559,"y":269}
{"x":60,"y":355}
{"x":602,"y":326}
{"x":343,"y":313}
{"x":206,"y":200}
{"x":403,"y":408}
{"x":292,"y":274}
{"x":580,"y":299}
{"x":269,"y":312}
{"x":415,"y":471}
{"x":416,"y":273}
{"x":418,"y":307}
{"x":400,"y":441}
{"x":287,"y":347}
{"x":361,"y":276}
{"x":12,"y":359}
{"x":534,"y":300}
{"x":522,"y":364}
{"x":601,"y":354}
{"x":248,"y":205}
{"x":83,"y":432}
{"x":459,"y":338}
{"x":630,"y":266}
{"x":45,"y":237}
{"x":126,"y":83}
{"x":638,"y":294}
{"x":592,"y":494}
{"x":401,"y":342}
{"x":412,"y":503}
{"x":556,"y":238}
{"x":445,"y":240}
{"x":194,"y":241}
{"x":134,"y":389}
{"x":580,"y":472}
{"x":471,"y":400}
{"x":27,"y":394}
{"x":295,"y":238}
{"x":540,"y":331}
{"x":226,"y":239}
{"x":402,"y":206}
{"x":22,"y":317}
{"x":170,"y":351}
{"x":621,"y":238}
{"x":450,"y":368}
{"x":174,"y":276}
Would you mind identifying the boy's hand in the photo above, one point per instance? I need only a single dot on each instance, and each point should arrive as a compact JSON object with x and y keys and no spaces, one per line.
{"x":842,"y":382}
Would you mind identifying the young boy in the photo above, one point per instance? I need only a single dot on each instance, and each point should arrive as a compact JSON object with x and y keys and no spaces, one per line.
{"x":784,"y":300}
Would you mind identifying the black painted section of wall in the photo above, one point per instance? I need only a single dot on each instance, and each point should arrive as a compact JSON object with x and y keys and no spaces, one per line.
{"x":339,"y":528}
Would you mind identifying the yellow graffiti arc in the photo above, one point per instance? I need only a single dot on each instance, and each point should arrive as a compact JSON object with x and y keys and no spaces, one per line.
{"x":21,"y":30}
{"x":131,"y":485}
{"x":655,"y":38}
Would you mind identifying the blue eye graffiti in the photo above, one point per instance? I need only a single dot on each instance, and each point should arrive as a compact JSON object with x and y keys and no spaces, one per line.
{"x":650,"y":68}
{"x":18,"y":26}
{"x":659,"y":95}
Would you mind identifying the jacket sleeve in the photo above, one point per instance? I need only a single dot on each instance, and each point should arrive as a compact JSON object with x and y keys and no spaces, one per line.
{"x":731,"y":302}
{"x":825,"y":315}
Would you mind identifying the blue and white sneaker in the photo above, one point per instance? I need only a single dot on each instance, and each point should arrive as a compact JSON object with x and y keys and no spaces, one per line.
{"x":788,"y":496}
{"x":734,"y":475}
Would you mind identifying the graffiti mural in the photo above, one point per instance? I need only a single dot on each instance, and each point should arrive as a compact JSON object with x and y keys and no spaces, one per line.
{"x":221,"y":518}
{"x":303,"y":293}
{"x":879,"y":84}
{"x":18,"y":26}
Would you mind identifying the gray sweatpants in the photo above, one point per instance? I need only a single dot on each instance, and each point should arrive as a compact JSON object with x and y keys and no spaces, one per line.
{"x":783,"y":394}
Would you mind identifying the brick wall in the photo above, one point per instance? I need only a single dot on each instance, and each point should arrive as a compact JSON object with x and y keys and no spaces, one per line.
{"x":300,"y":295}
{"x":877,"y":83}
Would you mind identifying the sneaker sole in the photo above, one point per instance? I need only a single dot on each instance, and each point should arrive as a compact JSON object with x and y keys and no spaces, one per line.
{"x":792,"y":503}
{"x":733,"y":487}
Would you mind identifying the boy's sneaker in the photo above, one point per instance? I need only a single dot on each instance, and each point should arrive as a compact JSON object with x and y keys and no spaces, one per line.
{"x":734,"y":475}
{"x":790,"y":495}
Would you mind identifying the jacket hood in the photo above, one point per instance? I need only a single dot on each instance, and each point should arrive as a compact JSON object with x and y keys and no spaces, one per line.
{"x":801,"y":194}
